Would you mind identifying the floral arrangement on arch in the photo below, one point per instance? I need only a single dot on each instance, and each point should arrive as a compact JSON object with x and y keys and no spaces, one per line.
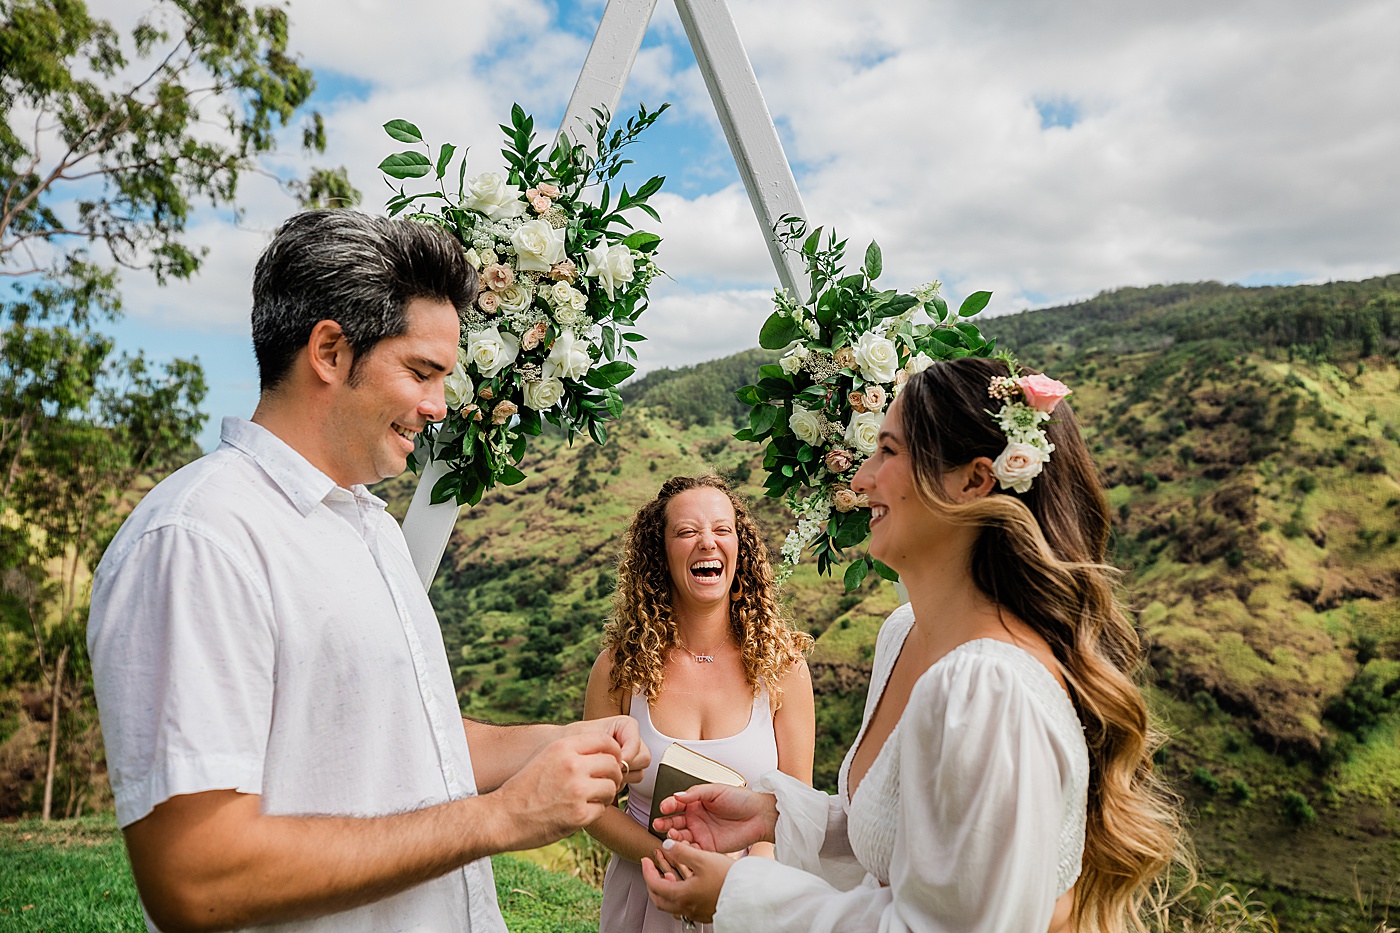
{"x":849,"y":349}
{"x":562,"y":283}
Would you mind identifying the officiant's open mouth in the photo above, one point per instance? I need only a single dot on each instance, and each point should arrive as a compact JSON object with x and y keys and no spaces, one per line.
{"x":707,"y":569}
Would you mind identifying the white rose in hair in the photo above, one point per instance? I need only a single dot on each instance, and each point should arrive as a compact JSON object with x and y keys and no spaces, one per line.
{"x":863,"y":433}
{"x":538,"y":246}
{"x":568,"y":359}
{"x":918,"y":363}
{"x":493,"y":197}
{"x":541,"y":395}
{"x":805,"y":425}
{"x":877,"y":357}
{"x":491,"y":350}
{"x":1018,"y":465}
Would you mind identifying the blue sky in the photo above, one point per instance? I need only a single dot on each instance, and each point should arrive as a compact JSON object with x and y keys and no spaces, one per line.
{"x":1043,"y":154}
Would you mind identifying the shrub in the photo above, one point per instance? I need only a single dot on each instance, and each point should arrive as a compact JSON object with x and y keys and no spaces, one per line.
{"x":1207,"y":781}
{"x":1240,"y":792}
{"x":1150,"y":482}
{"x":1297,"y":810}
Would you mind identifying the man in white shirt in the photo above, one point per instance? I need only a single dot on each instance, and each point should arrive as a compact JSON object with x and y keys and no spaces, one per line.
{"x":282,"y":732}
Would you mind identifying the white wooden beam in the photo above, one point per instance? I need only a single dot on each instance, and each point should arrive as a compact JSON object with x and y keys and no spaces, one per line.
{"x":610,"y":59}
{"x":747,"y":125}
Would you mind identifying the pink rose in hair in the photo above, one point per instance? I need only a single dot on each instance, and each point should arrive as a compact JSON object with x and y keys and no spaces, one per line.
{"x":1042,"y":392}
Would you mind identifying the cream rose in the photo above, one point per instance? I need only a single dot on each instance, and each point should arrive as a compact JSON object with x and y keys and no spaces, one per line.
{"x":498,"y":276}
{"x":547,"y":189}
{"x":839,"y":460}
{"x":504,"y":411}
{"x":1018,"y":465}
{"x":806,"y":425}
{"x":493,"y":197}
{"x":568,"y":358}
{"x":863,"y":433}
{"x":538,"y":246}
{"x":844,"y":500}
{"x":845,"y":358}
{"x":563,"y":271}
{"x":544,"y":393}
{"x":875,"y":397}
{"x":877,"y":357}
{"x":488,"y":302}
{"x":457,"y":389}
{"x":532,"y":337}
{"x":515,"y":297}
{"x":491,"y":350}
{"x":611,"y":266}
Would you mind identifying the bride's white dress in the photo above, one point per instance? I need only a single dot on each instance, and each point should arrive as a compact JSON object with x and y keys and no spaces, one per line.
{"x":970,"y":819}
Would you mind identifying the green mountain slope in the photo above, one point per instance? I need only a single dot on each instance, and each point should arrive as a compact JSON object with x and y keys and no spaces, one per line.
{"x":1248,"y":438}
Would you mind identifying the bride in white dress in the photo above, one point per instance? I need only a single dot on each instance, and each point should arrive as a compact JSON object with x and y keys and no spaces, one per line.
{"x":1002,"y":779}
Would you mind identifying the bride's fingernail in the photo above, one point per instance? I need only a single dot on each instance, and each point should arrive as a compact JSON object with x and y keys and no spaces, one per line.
{"x":669,"y":844}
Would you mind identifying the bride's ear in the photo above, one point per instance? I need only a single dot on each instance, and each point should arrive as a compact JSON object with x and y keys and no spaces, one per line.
{"x":978,"y":481}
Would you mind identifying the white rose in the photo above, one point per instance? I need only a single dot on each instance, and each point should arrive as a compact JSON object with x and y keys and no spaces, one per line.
{"x":877,"y":357}
{"x":474,"y":259}
{"x":541,"y":395}
{"x":863,"y":433}
{"x":1018,"y":465}
{"x":493,"y":197}
{"x":918,"y":363}
{"x":790,"y":364}
{"x":515,"y":297}
{"x":611,"y":266}
{"x":561,"y":294}
{"x":491,"y":350}
{"x":805,"y":425}
{"x":458,"y":388}
{"x":568,"y":359}
{"x":538,"y":246}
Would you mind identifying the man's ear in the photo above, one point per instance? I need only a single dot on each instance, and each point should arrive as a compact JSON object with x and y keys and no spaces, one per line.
{"x":980,"y":480}
{"x":329,"y":353}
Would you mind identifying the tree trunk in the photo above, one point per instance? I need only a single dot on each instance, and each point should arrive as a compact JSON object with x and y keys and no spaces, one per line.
{"x":53,"y":733}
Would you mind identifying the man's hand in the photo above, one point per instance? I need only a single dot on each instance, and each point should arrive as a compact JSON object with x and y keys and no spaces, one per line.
{"x":719,"y":818}
{"x":623,"y":730}
{"x":566,"y":786}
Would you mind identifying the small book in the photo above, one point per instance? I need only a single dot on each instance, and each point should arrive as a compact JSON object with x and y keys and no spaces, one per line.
{"x":681,"y":768}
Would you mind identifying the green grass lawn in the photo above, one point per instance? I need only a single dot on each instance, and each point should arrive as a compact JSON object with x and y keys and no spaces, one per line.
{"x":72,"y":877}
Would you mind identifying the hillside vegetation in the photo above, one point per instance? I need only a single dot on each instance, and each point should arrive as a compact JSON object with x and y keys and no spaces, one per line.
{"x":1249,"y":442}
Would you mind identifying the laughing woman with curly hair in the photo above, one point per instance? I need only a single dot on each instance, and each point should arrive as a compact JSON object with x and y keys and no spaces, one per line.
{"x":698,"y":652}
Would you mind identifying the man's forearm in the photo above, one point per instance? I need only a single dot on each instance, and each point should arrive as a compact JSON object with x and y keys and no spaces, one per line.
{"x":500,"y":751}
{"x":214,"y":862}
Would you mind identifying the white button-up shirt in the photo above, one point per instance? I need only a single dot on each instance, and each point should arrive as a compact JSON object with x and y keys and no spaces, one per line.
{"x":256,"y":627}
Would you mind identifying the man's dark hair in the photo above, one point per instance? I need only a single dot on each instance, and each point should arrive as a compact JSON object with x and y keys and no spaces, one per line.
{"x":354,"y":269}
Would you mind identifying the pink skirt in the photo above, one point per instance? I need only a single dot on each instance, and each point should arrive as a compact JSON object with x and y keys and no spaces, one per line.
{"x":627,"y":908}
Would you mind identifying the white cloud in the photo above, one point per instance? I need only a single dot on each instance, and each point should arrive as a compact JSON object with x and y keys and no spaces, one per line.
{"x":685,"y":327}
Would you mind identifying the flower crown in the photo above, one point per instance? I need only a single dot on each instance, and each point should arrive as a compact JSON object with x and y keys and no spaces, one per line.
{"x":1026,"y":405}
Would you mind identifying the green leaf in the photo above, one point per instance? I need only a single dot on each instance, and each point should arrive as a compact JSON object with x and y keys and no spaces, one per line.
{"x":598,"y":431}
{"x":641,"y":240}
{"x":406,"y":165}
{"x":510,"y":475}
{"x":898,"y":305}
{"x":445,"y":157}
{"x":855,"y":574}
{"x":763,"y":418}
{"x":812,"y":242}
{"x":445,"y":488}
{"x":884,"y":571}
{"x":609,"y":374}
{"x":777,"y":332}
{"x":974,"y":303}
{"x":873,"y":261}
{"x":749,"y":396}
{"x":771,"y":371}
{"x":404,"y":132}
{"x":633,"y":338}
{"x":743,"y":434}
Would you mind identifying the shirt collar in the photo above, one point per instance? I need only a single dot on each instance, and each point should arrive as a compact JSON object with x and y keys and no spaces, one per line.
{"x":300,"y":482}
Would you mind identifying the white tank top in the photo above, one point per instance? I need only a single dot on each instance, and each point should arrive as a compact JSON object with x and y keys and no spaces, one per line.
{"x":750,"y":752}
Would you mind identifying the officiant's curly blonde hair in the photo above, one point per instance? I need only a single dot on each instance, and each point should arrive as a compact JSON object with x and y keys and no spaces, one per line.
{"x":643,"y":627}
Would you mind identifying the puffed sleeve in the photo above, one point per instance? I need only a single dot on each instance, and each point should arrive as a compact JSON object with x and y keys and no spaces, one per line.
{"x":982,"y":795}
{"x":811,"y":831}
{"x":181,"y":637}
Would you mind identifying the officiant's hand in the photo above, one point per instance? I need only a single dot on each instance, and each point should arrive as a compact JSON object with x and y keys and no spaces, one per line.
{"x":684,"y":881}
{"x":564,"y":787}
{"x":719,"y":818}
{"x":623,"y":730}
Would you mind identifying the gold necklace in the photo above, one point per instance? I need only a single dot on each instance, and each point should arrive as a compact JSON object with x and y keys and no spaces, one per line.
{"x":705,"y":657}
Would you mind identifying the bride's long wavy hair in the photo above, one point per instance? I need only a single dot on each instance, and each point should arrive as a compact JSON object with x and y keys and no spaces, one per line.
{"x":1041,"y":555}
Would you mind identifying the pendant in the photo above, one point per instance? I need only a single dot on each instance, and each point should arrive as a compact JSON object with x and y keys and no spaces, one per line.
{"x":704,"y":658}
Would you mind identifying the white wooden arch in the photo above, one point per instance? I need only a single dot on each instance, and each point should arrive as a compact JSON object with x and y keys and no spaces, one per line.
{"x":752,"y":138}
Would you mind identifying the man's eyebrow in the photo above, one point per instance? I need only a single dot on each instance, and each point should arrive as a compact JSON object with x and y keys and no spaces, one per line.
{"x":430,"y":364}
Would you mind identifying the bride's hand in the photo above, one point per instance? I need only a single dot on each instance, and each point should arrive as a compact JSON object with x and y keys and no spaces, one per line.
{"x":684,"y":881}
{"x":719,"y":818}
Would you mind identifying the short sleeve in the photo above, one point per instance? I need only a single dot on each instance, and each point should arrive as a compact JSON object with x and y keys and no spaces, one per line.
{"x":981,"y":796}
{"x":181,"y":637}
